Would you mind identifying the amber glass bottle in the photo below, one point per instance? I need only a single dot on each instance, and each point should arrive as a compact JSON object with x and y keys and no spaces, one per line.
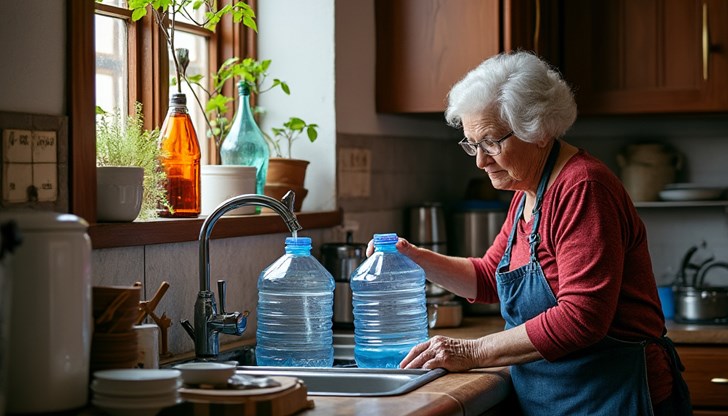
{"x":181,"y":161}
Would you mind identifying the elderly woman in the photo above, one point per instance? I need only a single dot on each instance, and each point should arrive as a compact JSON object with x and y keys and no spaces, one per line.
{"x":571,"y":268}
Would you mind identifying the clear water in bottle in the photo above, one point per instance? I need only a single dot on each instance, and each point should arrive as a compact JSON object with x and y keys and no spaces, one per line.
{"x":295,"y":310}
{"x":390,"y":311}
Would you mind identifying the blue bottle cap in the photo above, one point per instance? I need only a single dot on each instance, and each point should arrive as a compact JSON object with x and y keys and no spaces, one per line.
{"x":389,"y":238}
{"x":298,"y":241}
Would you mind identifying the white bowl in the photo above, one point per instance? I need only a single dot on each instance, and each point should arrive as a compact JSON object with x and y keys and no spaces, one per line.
{"x":206,"y":373}
{"x":136,"y":381}
{"x":125,"y":391}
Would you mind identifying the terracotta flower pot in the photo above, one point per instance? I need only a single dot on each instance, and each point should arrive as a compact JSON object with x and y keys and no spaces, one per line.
{"x":286,"y":171}
{"x":284,"y":175}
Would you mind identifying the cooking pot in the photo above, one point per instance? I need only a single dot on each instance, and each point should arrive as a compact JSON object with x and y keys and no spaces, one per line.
{"x":474,"y":227}
{"x":475,"y":224}
{"x":427,"y":230}
{"x":701,"y":305}
{"x":427,"y":227}
{"x":341,"y":259}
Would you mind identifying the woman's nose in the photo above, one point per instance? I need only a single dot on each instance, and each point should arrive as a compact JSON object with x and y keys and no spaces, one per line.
{"x":481,"y":159}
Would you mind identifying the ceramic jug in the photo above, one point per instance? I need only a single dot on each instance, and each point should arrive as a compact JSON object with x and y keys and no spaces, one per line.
{"x":646,"y":168}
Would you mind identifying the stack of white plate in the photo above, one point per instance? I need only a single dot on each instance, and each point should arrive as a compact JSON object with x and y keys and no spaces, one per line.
{"x":139,"y":392}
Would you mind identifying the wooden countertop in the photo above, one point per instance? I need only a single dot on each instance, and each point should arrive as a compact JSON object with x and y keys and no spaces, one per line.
{"x":476,"y":391}
{"x":697,"y":334}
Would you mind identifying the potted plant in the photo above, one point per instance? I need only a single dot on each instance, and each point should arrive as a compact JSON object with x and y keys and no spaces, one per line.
{"x":284,"y":172}
{"x":130,"y":182}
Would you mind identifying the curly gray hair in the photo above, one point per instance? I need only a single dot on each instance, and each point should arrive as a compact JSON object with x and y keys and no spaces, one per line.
{"x":527,"y":95}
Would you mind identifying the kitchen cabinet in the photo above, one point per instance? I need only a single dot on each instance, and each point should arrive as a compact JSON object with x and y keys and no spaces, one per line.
{"x":647,"y":56}
{"x":425,"y":46}
{"x":706,"y":373}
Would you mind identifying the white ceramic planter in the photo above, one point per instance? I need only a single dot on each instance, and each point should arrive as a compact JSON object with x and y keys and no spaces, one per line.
{"x":119,"y":192}
{"x":222,"y":182}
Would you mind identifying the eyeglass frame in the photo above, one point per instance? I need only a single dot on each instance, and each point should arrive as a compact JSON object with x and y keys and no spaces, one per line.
{"x":467,"y":146}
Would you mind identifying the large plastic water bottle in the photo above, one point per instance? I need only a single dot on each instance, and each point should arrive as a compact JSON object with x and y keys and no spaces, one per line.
{"x":390,"y":311}
{"x":295,"y":307}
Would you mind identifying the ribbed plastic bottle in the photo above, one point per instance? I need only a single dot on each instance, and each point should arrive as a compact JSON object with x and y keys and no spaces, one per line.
{"x":245,"y":145}
{"x":295,"y":310}
{"x":390,"y":311}
{"x":181,"y":161}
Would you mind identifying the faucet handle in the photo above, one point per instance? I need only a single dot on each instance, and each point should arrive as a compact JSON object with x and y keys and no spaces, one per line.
{"x":288,"y":200}
{"x":221,"y":285}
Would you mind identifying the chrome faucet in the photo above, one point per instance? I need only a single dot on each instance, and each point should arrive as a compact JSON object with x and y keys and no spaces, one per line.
{"x":208,"y":322}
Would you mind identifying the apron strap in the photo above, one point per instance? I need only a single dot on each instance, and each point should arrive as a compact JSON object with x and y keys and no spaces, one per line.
{"x":535,"y":238}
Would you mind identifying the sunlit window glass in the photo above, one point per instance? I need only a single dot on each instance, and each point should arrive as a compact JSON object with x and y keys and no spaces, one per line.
{"x":112,"y":78}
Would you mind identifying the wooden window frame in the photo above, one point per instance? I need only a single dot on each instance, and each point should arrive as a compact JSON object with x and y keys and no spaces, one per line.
{"x":150,"y":55}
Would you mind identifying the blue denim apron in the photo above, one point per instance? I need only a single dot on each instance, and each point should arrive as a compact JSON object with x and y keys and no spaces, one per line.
{"x":608,"y":378}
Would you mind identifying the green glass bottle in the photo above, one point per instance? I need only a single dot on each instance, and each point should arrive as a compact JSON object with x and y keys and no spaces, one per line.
{"x":245,"y":145}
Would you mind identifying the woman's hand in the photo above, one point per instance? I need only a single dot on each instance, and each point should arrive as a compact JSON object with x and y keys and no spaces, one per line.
{"x":403,"y":246}
{"x":443,"y":352}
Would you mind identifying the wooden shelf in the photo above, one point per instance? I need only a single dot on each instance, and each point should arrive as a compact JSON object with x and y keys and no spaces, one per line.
{"x":162,"y":231}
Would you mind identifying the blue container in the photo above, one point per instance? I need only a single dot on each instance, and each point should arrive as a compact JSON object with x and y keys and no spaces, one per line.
{"x":390,"y":311}
{"x":667,"y":300}
{"x":295,"y":310}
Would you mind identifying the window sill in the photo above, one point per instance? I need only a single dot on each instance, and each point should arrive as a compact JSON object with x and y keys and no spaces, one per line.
{"x":162,"y":231}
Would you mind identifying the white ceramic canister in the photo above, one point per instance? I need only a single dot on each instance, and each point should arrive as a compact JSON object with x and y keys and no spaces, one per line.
{"x":219,"y":183}
{"x":50,"y":333}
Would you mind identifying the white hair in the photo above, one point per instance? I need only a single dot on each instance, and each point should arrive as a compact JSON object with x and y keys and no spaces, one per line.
{"x":522,"y":90}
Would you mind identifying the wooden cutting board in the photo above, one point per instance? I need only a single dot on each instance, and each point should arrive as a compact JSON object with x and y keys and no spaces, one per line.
{"x":287,"y":399}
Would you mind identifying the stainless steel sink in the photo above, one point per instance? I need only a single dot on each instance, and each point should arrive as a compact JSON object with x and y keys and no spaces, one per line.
{"x":351,"y":381}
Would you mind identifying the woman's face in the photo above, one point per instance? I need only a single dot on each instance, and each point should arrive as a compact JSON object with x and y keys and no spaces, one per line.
{"x":518,"y":166}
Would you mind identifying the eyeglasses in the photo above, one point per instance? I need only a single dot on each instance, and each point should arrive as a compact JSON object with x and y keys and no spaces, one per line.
{"x":489,"y":147}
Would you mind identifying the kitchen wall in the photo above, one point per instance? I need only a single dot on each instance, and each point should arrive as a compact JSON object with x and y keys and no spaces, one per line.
{"x":414,"y":159}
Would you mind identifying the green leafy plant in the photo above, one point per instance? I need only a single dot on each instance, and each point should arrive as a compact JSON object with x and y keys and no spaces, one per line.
{"x":165,"y":12}
{"x":290,"y":131}
{"x":122,"y":141}
{"x":252,"y":71}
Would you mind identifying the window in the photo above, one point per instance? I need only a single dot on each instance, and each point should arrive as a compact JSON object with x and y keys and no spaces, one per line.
{"x":146,"y":56}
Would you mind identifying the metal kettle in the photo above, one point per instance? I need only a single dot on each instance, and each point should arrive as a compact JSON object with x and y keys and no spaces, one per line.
{"x":341,"y":259}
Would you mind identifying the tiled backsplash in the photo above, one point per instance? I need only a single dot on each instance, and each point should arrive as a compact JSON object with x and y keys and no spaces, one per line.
{"x":238,"y":261}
